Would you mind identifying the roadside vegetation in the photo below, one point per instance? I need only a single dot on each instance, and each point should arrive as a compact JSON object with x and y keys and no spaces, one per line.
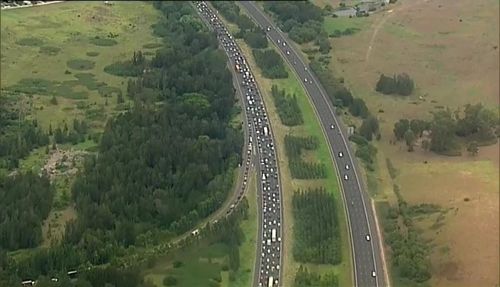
{"x":287,"y":107}
{"x":299,"y":168}
{"x":316,"y":229}
{"x":136,"y":194}
{"x":436,"y":99}
{"x":324,"y":175}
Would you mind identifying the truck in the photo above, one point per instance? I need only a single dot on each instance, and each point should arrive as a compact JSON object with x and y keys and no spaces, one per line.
{"x":266,"y":132}
{"x":273,"y":234}
{"x":237,"y":67}
{"x":270,"y":282}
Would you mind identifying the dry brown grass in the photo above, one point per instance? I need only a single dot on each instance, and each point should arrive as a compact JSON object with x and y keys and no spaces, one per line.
{"x":450,"y":49}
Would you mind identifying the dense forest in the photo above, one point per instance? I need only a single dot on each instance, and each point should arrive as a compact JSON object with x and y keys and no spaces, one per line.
{"x":316,"y":231}
{"x":287,"y":107}
{"x":25,"y":201}
{"x":163,"y":165}
{"x":17,"y":135}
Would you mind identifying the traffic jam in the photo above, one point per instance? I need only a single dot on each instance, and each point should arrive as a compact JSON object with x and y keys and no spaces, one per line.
{"x":260,"y":138}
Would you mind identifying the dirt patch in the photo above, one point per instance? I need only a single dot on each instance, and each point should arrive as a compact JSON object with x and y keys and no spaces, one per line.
{"x":63,"y":162}
{"x":54,"y":226}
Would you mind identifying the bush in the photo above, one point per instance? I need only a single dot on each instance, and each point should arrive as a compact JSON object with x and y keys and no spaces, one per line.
{"x":400,"y":84}
{"x":169,"y":281}
{"x":177,"y":264}
{"x":298,"y":167}
{"x":123,"y":69}
{"x":270,"y":63}
{"x":287,"y":107}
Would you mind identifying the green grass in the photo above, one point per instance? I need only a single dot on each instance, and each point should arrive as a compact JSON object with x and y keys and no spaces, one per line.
{"x":343,"y":23}
{"x":92,"y":54}
{"x":200,"y":264}
{"x":103,"y":42}
{"x":152,"y":45}
{"x":311,"y":127}
{"x":244,"y":275}
{"x":49,"y":50}
{"x":35,"y":161}
{"x":80,"y":64}
{"x":38,"y":43}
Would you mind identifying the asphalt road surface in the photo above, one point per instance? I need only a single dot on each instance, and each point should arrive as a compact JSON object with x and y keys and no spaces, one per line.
{"x":261,"y":143}
{"x":368,"y":268}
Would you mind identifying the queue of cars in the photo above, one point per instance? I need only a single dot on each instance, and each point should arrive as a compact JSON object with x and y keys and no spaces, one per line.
{"x":260,"y":138}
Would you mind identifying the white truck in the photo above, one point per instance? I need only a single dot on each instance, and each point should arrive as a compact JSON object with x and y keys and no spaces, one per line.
{"x":266,"y":131}
{"x":270,"y":282}
{"x":273,"y":235}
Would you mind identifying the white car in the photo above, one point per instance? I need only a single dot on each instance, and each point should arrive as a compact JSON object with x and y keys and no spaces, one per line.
{"x":341,"y":154}
{"x":374,"y":274}
{"x":284,"y":43}
{"x":368,"y":237}
{"x":332,"y":126}
{"x":279,"y":41}
{"x":288,"y":52}
{"x":346,"y":177}
{"x":347,"y":166}
{"x":269,"y":28}
{"x":305,"y":80}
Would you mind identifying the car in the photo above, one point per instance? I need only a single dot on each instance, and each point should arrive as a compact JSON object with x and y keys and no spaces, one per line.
{"x":284,"y":43}
{"x":279,"y":41}
{"x":341,"y":154}
{"x":305,"y":68}
{"x":374,"y":274}
{"x":346,"y":177}
{"x":269,"y":28}
{"x":347,"y":166}
{"x":332,"y":126}
{"x":305,"y":80}
{"x":368,"y":237}
{"x":288,"y":52}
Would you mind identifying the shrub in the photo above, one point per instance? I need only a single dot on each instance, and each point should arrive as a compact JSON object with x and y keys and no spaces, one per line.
{"x":169,"y":281}
{"x":270,"y":63}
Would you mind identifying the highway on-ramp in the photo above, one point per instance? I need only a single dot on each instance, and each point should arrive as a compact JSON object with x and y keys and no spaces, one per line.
{"x":367,"y":256}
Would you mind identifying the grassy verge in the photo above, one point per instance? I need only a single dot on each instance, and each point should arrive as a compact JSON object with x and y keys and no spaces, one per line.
{"x":244,"y":275}
{"x":311,"y":127}
{"x":204,"y":264}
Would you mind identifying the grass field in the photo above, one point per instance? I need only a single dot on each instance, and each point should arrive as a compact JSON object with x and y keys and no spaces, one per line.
{"x":310,"y":127}
{"x":61,"y":50}
{"x":450,"y":49}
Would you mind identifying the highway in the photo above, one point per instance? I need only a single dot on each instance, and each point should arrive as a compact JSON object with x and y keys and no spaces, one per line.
{"x":367,"y":260}
{"x":261,"y":143}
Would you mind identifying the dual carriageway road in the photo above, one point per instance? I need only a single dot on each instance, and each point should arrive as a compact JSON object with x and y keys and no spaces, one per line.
{"x":366,"y":246}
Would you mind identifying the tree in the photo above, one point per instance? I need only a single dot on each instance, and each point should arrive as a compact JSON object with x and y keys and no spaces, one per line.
{"x":426,"y":145}
{"x":368,"y":127}
{"x":358,"y":108}
{"x":442,"y":132}
{"x":410,"y":139}
{"x":169,"y":281}
{"x":400,"y":128}
{"x":473,"y":148}
{"x":53,"y":100}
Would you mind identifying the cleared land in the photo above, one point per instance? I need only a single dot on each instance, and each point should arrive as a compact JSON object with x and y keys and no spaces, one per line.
{"x":450,"y":49}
